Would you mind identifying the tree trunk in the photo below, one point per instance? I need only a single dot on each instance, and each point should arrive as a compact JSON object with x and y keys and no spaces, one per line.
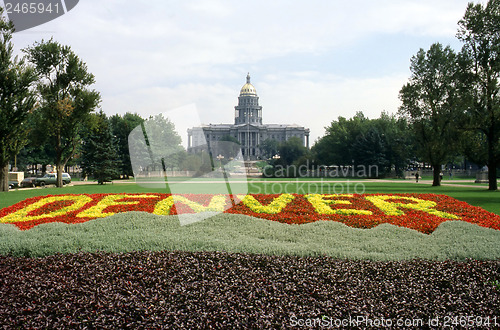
{"x":4,"y":178}
{"x":492,"y":177}
{"x":59,"y":182}
{"x":436,"y":174}
{"x":492,"y":164}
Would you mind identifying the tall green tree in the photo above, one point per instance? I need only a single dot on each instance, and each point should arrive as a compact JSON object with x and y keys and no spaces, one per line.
{"x":335,"y":147}
{"x":430,"y":104}
{"x":384,"y":142}
{"x":66,"y":99}
{"x":269,"y":148}
{"x":17,"y":101}
{"x":99,"y":152}
{"x":290,"y":151}
{"x":479,"y":30}
{"x":122,"y":126}
{"x":155,"y":145}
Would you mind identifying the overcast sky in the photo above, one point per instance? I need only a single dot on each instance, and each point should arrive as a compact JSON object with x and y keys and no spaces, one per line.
{"x":310,"y":61}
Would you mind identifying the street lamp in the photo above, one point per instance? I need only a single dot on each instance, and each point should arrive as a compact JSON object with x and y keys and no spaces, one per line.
{"x":220,"y":158}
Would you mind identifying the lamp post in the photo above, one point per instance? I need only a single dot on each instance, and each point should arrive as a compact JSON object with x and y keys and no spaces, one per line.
{"x":220,"y":158}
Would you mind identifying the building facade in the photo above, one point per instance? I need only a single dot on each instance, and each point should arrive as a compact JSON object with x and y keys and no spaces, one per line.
{"x":248,"y":129}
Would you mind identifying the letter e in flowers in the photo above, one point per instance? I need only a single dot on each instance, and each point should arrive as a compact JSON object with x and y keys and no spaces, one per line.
{"x":97,"y":211}
{"x":321,"y":204}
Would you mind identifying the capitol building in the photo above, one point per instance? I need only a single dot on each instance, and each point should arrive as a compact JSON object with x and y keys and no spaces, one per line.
{"x":248,"y":129}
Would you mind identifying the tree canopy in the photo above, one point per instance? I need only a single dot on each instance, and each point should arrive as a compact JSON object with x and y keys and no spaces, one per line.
{"x":17,"y":101}
{"x":65,"y":98}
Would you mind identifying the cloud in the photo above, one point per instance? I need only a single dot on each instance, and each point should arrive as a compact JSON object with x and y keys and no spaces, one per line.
{"x":152,"y":56}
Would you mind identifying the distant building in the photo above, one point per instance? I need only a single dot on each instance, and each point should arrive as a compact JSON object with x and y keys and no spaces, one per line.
{"x":248,"y":128}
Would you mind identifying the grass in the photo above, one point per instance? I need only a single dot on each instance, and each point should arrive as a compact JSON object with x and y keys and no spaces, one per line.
{"x":135,"y":231}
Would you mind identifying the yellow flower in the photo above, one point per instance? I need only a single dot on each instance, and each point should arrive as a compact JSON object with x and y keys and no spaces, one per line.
{"x":22,"y":215}
{"x":392,"y":208}
{"x":218,"y":203}
{"x":322,"y":205}
{"x":274,"y":207}
{"x":96,"y":211}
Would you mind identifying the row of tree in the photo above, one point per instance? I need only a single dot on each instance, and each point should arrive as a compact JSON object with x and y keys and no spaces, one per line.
{"x":452,"y":101}
{"x":450,"y":107}
{"x":45,"y":96}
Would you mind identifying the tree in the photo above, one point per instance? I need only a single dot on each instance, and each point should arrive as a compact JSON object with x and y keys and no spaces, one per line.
{"x":369,"y":149}
{"x":290,"y":151}
{"x":479,"y":30}
{"x":429,"y":103}
{"x":269,"y":148}
{"x":65,"y":98}
{"x":17,"y":101}
{"x":122,"y":126}
{"x":99,"y":153}
{"x":399,"y":146}
{"x":155,"y":145}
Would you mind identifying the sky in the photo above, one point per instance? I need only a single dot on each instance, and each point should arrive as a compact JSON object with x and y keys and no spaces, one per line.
{"x":310,"y":61}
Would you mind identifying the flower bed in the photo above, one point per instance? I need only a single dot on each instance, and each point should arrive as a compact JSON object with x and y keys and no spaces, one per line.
{"x":422,"y":212}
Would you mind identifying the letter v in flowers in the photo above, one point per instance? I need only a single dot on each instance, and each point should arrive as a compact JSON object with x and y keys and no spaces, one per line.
{"x":278,"y":204}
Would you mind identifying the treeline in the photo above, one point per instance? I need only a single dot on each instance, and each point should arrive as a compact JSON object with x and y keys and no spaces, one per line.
{"x":101,"y":152}
{"x":358,"y":142}
{"x":45,"y":99}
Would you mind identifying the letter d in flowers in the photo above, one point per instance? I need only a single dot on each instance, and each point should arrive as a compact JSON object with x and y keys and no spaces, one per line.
{"x":174,"y":151}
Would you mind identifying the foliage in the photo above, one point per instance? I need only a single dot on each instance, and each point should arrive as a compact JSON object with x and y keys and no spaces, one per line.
{"x":290,"y":151}
{"x":17,"y":100}
{"x":215,"y":290}
{"x":121,"y":127}
{"x":135,"y":231}
{"x":479,"y":30}
{"x":429,"y":103}
{"x":269,"y":148}
{"x":383,"y":142}
{"x":65,"y":98}
{"x":158,"y":146}
{"x":99,"y":153}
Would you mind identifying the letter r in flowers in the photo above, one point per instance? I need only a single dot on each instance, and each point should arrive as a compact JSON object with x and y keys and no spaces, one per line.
{"x":384,"y":203}
{"x":164,"y":156}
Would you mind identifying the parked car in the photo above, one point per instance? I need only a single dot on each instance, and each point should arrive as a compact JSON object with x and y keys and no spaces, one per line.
{"x":28,"y":182}
{"x":13,"y":184}
{"x":51,"y":178}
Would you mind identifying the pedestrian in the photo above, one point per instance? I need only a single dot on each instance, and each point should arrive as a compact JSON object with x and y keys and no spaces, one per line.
{"x":417,"y":176}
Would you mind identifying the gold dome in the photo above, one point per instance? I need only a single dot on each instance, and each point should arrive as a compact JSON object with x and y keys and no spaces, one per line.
{"x":248,"y":89}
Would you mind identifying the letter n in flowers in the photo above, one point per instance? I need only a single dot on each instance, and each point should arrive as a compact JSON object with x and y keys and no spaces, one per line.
{"x":218,"y":203}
